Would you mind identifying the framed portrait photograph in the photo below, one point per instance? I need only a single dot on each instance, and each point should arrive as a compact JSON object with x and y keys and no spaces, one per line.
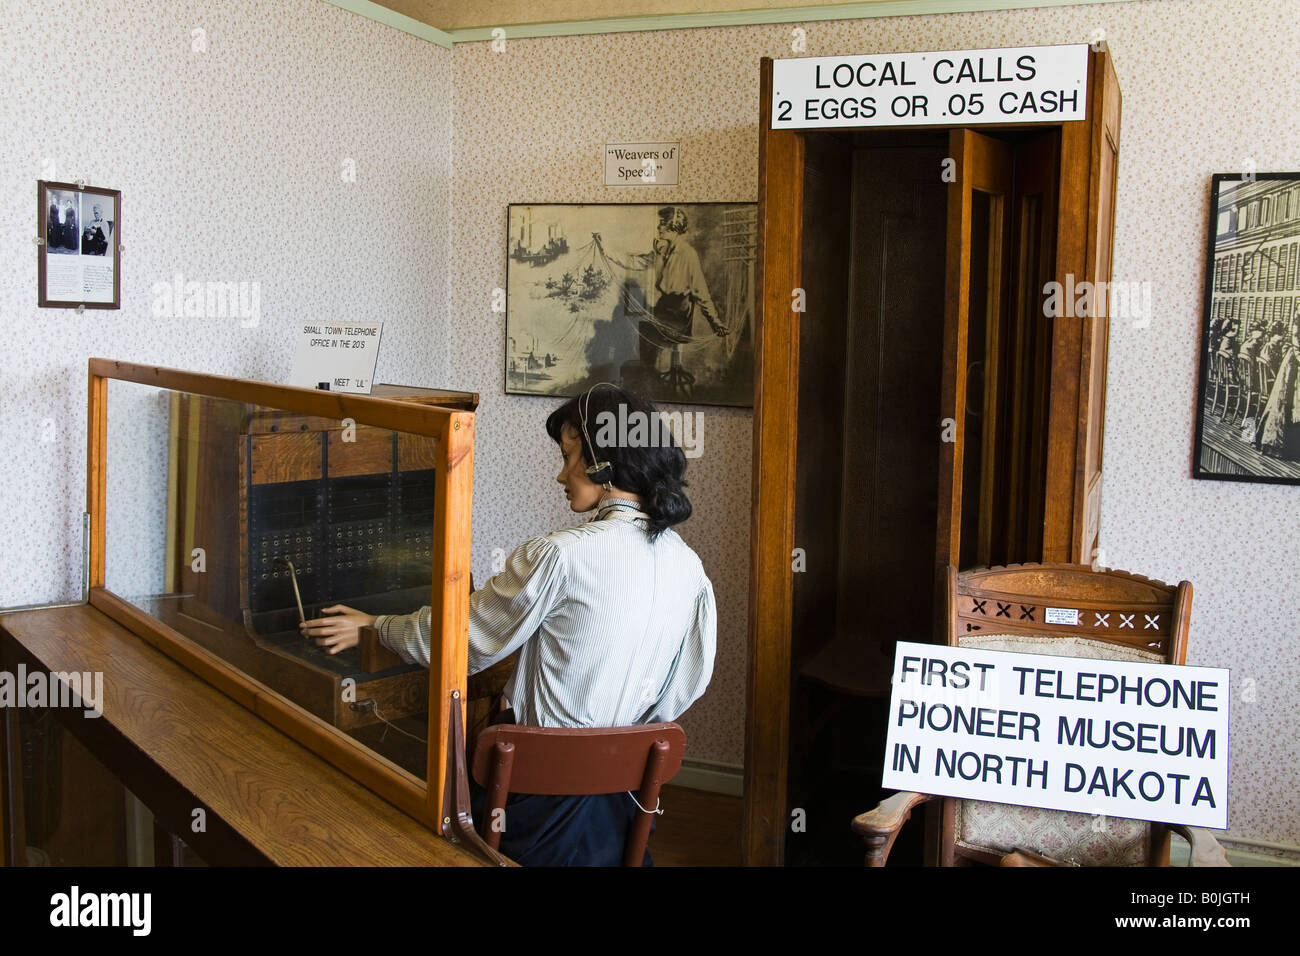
{"x":655,"y":297}
{"x":1248,"y":414}
{"x":79,"y":258}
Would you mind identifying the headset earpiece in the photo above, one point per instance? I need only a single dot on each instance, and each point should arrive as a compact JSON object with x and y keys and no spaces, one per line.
{"x":600,"y":472}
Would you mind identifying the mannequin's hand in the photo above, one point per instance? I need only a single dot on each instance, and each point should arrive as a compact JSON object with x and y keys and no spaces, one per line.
{"x":339,"y":631}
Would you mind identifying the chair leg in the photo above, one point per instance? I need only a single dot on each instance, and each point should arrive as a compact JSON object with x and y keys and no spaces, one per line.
{"x":639,"y":833}
{"x":1246,"y":375}
{"x":492,"y":825}
{"x":1212,"y":385}
{"x":1231,"y":394}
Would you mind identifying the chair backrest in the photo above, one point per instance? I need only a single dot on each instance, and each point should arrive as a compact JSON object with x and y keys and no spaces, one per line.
{"x":1120,"y":616}
{"x":551,"y":760}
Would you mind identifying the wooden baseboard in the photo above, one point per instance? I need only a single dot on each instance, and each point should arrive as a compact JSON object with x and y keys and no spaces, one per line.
{"x":711,"y":776}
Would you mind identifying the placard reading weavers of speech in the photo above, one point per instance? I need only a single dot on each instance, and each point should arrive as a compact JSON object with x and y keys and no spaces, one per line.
{"x":1144,"y":741}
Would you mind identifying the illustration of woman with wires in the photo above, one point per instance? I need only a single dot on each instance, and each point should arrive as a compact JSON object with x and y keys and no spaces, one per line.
{"x":682,"y":291}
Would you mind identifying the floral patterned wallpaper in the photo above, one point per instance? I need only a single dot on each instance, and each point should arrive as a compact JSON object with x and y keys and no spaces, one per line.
{"x":285,"y":144}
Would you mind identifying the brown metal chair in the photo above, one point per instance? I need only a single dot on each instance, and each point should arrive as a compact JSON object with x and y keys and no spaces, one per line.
{"x":552,"y":760}
{"x":1123,"y":617}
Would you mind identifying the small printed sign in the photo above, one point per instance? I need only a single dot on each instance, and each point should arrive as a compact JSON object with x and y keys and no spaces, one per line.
{"x":642,"y":164}
{"x":1061,"y":615}
{"x":337,"y":355}
{"x":1035,"y":84}
{"x":1141,"y":741}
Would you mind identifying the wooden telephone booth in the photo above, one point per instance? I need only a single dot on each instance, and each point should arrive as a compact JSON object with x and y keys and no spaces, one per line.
{"x":920,"y":411}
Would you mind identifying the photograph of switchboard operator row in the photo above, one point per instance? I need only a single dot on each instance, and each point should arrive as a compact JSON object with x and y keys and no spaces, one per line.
{"x":508,"y":461}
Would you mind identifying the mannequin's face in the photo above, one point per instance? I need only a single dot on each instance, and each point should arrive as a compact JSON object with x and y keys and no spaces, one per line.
{"x":583,"y":493}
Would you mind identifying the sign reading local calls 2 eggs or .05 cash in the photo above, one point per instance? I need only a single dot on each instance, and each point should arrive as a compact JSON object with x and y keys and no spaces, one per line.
{"x":1041,"y":84}
{"x":1135,"y":740}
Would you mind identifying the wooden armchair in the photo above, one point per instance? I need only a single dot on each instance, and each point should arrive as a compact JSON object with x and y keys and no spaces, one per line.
{"x":1001,"y":609}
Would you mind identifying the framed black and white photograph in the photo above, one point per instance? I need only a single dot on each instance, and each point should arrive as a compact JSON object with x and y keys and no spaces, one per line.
{"x":79,"y":258}
{"x":656,"y":297}
{"x":1248,"y":415}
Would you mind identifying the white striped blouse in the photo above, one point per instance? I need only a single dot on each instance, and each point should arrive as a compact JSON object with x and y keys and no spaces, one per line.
{"x":612,"y":630}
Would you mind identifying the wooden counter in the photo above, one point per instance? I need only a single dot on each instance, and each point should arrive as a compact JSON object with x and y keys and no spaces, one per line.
{"x":179,"y":744}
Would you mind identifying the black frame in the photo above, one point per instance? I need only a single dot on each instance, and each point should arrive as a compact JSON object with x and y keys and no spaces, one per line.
{"x":1233,"y":274}
{"x":746,"y":402}
{"x":43,"y":188}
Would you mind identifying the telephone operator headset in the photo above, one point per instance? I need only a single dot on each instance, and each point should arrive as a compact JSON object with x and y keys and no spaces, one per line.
{"x":600,"y":472}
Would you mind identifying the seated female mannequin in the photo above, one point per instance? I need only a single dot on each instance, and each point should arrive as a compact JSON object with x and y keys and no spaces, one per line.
{"x":614,"y":619}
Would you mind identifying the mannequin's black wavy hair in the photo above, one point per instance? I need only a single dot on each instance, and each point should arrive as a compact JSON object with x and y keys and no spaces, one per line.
{"x":650,"y":465}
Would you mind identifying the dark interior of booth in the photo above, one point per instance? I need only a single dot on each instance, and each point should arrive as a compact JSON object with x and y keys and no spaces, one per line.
{"x":875,"y":246}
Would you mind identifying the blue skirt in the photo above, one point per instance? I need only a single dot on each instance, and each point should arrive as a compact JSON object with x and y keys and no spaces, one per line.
{"x":544,"y":830}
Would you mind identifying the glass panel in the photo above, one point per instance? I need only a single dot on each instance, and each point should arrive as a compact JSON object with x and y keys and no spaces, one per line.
{"x":228,"y":521}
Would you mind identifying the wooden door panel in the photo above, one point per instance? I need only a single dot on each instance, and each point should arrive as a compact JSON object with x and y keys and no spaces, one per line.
{"x":891,"y":396}
{"x":767,"y":699}
{"x":983,"y":165}
{"x":1101,"y":235}
{"x":1084,"y":236}
{"x":1027,"y":385}
{"x":823,"y":328}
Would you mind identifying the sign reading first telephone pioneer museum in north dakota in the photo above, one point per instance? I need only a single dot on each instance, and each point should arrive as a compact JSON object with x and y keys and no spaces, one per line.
{"x":1135,"y":740}
{"x":1038,"y":84}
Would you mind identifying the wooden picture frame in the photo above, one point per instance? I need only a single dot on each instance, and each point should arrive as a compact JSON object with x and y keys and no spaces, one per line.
{"x":1249,"y":396}
{"x":79,"y":252}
